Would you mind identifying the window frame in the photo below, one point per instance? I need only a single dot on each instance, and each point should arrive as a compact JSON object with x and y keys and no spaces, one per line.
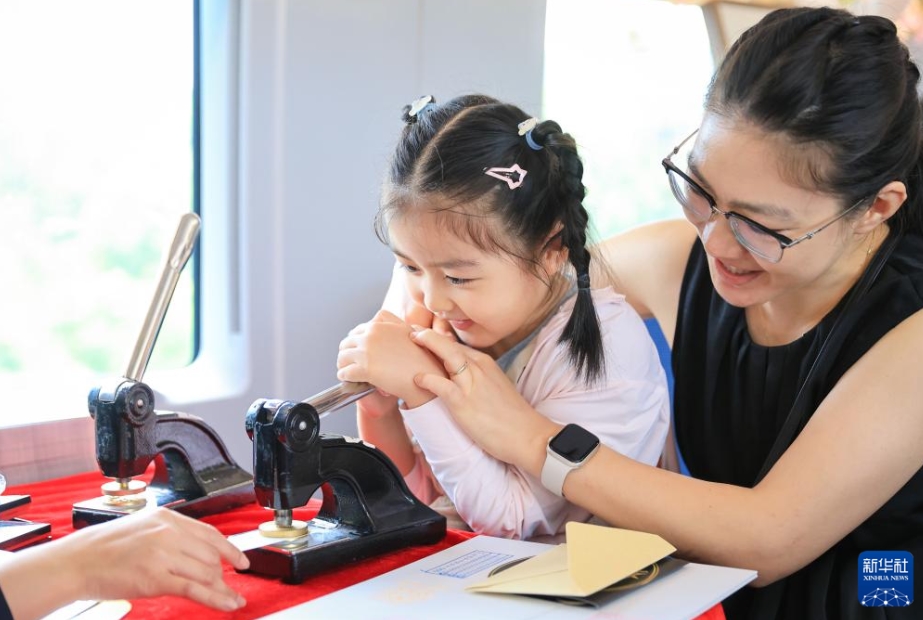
{"x":36,"y":451}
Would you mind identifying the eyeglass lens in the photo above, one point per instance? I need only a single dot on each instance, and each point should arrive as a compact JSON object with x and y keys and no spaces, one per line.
{"x":698,"y":210}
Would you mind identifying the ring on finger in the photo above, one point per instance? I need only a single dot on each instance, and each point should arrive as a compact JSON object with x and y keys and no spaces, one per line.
{"x":461,"y":369}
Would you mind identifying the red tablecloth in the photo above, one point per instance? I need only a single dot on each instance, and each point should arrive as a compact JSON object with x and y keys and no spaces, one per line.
{"x":52,"y":501}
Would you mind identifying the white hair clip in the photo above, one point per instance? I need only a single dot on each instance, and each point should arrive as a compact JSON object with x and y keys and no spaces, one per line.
{"x":527,"y":125}
{"x":525,"y":129}
{"x":419,"y":105}
{"x":507,"y":175}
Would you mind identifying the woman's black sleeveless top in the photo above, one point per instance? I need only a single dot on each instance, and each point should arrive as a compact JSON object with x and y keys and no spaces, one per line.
{"x":733,"y":395}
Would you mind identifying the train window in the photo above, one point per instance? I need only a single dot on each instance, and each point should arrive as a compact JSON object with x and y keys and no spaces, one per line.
{"x":98,"y":160}
{"x":627,"y":80}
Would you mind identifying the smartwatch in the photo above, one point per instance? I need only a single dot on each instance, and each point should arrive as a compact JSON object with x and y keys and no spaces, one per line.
{"x":567,"y":451}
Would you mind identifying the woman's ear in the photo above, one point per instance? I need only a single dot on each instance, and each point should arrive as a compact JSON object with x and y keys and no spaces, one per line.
{"x":889,"y":199}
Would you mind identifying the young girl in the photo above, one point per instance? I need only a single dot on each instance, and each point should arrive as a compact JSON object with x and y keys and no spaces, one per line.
{"x":483,"y":211}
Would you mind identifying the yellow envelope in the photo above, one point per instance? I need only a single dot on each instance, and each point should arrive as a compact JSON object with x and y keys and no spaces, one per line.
{"x":594,"y":557}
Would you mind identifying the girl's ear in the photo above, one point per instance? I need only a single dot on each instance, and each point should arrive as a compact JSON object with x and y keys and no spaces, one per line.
{"x":554,"y":253}
{"x":889,"y":199}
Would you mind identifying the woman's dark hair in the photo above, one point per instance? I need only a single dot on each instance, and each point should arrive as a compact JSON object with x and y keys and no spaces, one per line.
{"x":838,"y":83}
{"x":445,"y":151}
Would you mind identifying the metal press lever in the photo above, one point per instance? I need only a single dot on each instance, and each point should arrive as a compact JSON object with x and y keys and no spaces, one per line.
{"x":193,"y":471}
{"x":338,"y":397}
{"x":180,"y":251}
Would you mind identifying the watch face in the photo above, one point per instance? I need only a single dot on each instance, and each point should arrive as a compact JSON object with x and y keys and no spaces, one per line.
{"x":574,"y":443}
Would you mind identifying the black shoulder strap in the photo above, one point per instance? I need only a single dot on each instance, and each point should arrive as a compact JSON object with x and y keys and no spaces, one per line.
{"x":801,"y":409}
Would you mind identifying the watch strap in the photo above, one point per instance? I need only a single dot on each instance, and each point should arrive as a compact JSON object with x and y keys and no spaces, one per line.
{"x":554,"y":472}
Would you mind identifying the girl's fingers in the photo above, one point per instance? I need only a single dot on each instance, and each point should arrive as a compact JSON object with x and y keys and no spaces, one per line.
{"x":359,"y":329}
{"x":345,"y":357}
{"x":352,"y":358}
{"x":351,"y":373}
{"x":350,"y":342}
{"x":383,"y":316}
{"x":441,"y":326}
{"x":442,"y":347}
{"x":416,"y":314}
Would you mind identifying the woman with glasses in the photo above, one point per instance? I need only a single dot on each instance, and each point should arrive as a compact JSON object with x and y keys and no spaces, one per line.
{"x":792,"y":294}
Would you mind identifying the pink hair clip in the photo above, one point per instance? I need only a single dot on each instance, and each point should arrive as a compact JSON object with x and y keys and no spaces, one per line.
{"x":508,"y":174}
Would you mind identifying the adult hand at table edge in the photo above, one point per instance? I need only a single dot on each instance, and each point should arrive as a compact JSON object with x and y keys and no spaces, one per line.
{"x":148,"y":554}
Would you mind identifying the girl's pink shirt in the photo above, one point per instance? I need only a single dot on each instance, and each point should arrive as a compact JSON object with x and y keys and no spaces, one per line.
{"x":629,"y":410}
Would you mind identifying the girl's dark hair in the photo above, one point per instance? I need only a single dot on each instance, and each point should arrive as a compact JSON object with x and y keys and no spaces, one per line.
{"x":446,"y":149}
{"x":832,"y":81}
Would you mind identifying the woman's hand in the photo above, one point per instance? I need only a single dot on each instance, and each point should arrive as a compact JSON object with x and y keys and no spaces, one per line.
{"x":142,"y":555}
{"x":161,"y":552}
{"x":381,"y":352}
{"x":485,"y":403}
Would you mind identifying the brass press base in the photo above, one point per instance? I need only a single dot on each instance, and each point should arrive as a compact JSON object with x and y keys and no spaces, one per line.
{"x":271,"y":529}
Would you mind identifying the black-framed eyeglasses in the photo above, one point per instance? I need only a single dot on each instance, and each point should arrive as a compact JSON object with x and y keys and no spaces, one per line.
{"x":699,"y":207}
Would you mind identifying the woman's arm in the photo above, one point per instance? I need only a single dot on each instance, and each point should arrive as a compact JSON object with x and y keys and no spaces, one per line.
{"x":490,"y":496}
{"x":861,"y":446}
{"x":628,"y":410}
{"x":143,"y":555}
{"x":646,"y":265}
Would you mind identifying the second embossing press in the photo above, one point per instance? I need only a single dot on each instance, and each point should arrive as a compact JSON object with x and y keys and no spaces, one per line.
{"x":194,"y":472}
{"x":366,"y":510}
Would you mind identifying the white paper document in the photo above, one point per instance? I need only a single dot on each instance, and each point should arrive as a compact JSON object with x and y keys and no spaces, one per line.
{"x":91,"y":610}
{"x":434,"y":587}
{"x":253,"y":539}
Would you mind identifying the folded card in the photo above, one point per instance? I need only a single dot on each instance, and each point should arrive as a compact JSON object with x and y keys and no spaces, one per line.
{"x":593,"y":557}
